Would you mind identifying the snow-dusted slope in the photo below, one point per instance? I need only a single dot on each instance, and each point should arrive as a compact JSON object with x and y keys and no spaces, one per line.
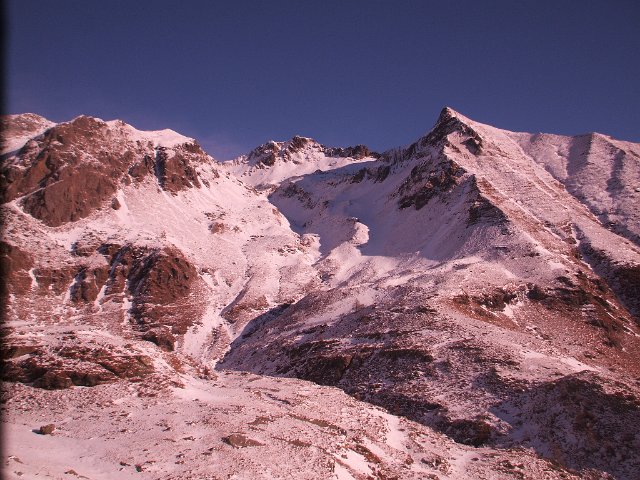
{"x":600,"y":171}
{"x":465,"y":283}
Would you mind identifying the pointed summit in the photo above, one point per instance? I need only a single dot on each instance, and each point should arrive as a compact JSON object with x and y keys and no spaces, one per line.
{"x":449,"y":121}
{"x":449,"y":116}
{"x":447,"y":113}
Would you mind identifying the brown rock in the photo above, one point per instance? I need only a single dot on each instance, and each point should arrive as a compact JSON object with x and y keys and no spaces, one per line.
{"x":54,"y":279}
{"x":175,"y":173}
{"x":160,"y":283}
{"x":53,"y":380}
{"x":74,"y":364}
{"x":474,"y":432}
{"x":161,"y":337}
{"x":53,"y":194}
{"x":88,"y":284}
{"x":47,"y":429}
{"x":14,"y":267}
{"x":142,"y":168}
{"x":238,"y":440}
{"x":428,"y":180}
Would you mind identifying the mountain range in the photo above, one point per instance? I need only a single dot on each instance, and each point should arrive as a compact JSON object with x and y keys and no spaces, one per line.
{"x":467,"y":306}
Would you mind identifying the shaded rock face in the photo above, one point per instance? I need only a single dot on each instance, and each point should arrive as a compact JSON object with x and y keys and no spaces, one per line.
{"x":159,"y":281}
{"x":447,"y":124}
{"x":585,"y":425}
{"x":443,"y":179}
{"x":175,"y":173}
{"x":357,"y":152}
{"x":297,"y":143}
{"x":72,"y":365}
{"x":428,"y":180}
{"x":265,"y":154}
{"x":238,"y":440}
{"x":409,"y":358}
{"x":88,"y":282}
{"x":142,"y":168}
{"x":381,"y":362}
{"x":14,"y":270}
{"x":377,"y":175}
{"x":483,"y":209}
{"x":161,"y":337}
{"x":291,"y":189}
{"x":623,"y":278}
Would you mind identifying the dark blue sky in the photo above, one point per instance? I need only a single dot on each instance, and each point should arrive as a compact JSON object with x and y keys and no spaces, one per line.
{"x":237,"y":73}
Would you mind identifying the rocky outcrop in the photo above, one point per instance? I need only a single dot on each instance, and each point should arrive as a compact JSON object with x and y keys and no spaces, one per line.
{"x":47,"y":176}
{"x":267,"y":154}
{"x":175,"y":172}
{"x":428,"y":180}
{"x":72,"y":364}
{"x":88,"y":282}
{"x":14,"y":270}
{"x":54,"y":280}
{"x":142,"y":168}
{"x":162,"y":337}
{"x":357,"y":152}
{"x":159,"y":282}
{"x":450,"y":122}
{"x":377,"y":175}
{"x":483,"y":208}
{"x":264,"y":154}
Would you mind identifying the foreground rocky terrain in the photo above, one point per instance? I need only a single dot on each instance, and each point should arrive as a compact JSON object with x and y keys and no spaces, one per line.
{"x":463,"y":307}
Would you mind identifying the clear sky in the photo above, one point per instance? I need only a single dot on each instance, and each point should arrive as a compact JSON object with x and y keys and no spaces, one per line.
{"x":236,"y":73}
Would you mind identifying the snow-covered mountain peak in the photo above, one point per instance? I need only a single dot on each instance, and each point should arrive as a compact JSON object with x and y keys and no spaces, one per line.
{"x":16,"y":130}
{"x":297,"y":150}
{"x":166,"y":138}
{"x":273,"y":162}
{"x":447,"y":113}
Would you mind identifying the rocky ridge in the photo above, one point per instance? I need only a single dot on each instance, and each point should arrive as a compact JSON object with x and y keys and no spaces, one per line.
{"x":273,"y":162}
